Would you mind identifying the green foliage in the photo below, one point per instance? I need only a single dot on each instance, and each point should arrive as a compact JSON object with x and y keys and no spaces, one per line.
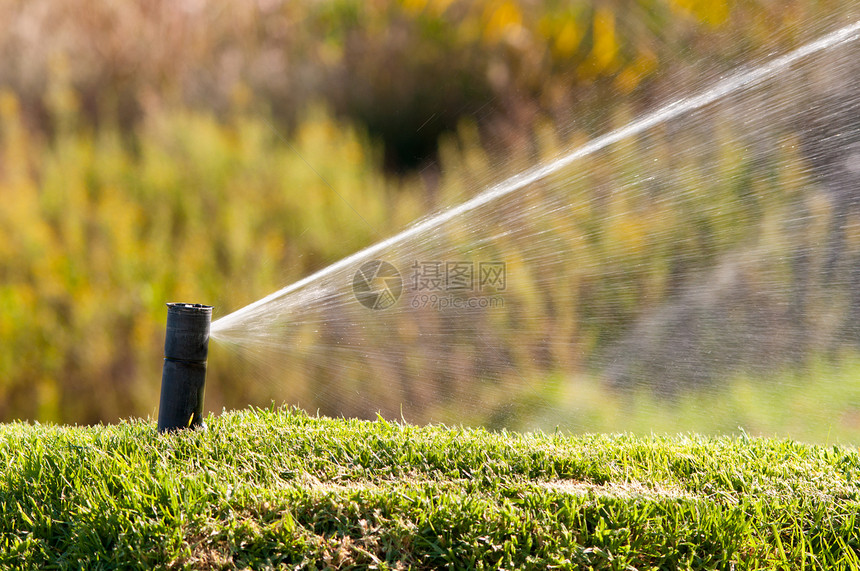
{"x":95,"y":238}
{"x":820,"y":404}
{"x":98,"y":233}
{"x":190,"y":161}
{"x":267,"y":488}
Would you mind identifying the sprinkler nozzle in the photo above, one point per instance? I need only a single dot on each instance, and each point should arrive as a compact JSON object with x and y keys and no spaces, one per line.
{"x":186,"y":346}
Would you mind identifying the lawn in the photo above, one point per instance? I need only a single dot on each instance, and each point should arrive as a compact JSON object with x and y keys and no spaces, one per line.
{"x":280,"y":488}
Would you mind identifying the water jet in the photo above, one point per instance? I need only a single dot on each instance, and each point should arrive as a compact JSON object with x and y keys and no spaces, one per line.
{"x":704,"y":247}
{"x":186,"y":346}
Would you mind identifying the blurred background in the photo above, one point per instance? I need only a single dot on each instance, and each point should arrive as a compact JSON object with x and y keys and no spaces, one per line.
{"x":215,"y":151}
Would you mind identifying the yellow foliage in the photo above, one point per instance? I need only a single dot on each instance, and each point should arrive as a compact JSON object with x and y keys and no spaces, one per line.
{"x":644,"y":65}
{"x":568,"y":38}
{"x":711,"y":12}
{"x":434,"y":7}
{"x":604,"y":49}
{"x":503,"y":20}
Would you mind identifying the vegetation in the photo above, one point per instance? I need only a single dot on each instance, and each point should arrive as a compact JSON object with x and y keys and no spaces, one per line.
{"x":404,"y":70}
{"x":153,"y":153}
{"x":817,"y":405}
{"x":96,"y":239}
{"x":265,"y":488}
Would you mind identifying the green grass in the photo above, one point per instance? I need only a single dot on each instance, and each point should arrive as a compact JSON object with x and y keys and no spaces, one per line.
{"x":269,"y":488}
{"x":818,"y":403}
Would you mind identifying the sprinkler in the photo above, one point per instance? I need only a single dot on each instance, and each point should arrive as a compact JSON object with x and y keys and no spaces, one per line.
{"x":186,"y":345}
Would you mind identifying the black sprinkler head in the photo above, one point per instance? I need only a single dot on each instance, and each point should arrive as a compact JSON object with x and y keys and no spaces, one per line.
{"x":186,"y":346}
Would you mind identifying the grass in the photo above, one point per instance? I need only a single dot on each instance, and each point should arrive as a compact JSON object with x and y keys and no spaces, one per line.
{"x":819,"y":404}
{"x":270,"y":488}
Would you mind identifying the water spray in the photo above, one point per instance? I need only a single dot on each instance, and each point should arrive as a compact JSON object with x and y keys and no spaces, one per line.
{"x":186,"y":346}
{"x":746,"y":79}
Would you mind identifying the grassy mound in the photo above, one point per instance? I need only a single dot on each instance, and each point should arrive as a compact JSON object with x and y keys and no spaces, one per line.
{"x":264,"y":488}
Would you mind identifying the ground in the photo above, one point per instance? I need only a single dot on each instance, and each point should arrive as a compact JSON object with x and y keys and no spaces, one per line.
{"x":280,"y":488}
